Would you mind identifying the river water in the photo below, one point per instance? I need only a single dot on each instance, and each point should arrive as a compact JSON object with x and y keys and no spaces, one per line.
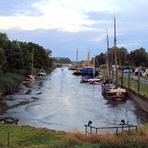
{"x":60,"y":102}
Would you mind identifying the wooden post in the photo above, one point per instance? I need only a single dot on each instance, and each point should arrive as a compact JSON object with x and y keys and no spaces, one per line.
{"x":122,"y":128}
{"x":8,"y":139}
{"x":129,"y":80}
{"x":128,"y":128}
{"x":138,"y":82}
{"x":136,"y":128}
{"x":122,"y":79}
{"x":117,"y":77}
{"x":96,"y":131}
{"x":116,"y":130}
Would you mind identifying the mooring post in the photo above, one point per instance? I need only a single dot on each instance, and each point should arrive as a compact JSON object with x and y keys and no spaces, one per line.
{"x":129,"y":80}
{"x":122,"y":128}
{"x":116,"y":130}
{"x":138,"y":82}
{"x":96,"y":130}
{"x":122,"y":78}
{"x":136,"y":128}
{"x":128,"y":128}
{"x":8,"y":139}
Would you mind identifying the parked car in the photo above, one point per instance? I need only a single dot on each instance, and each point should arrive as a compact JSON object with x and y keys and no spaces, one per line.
{"x":128,"y":70}
{"x":139,"y":71}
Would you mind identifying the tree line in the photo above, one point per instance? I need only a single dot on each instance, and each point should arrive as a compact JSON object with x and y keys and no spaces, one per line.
{"x":16,"y":59}
{"x":135,"y":58}
{"x":16,"y":56}
{"x":63,"y":60}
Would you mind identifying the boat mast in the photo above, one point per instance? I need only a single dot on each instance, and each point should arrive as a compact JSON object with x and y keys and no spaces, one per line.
{"x":77,"y":57}
{"x":108,"y":75}
{"x":32,"y":60}
{"x":88,"y":59}
{"x":115,"y":48}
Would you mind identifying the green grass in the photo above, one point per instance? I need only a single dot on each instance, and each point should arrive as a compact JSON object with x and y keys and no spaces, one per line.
{"x":29,"y":137}
{"x":24,"y":136}
{"x":145,"y":77}
{"x":134,"y":86}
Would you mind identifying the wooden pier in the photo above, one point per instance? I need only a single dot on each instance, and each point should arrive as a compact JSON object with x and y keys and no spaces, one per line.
{"x":115,"y":129}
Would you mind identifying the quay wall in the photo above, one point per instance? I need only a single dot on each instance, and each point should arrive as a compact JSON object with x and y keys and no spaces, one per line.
{"x":141,"y":100}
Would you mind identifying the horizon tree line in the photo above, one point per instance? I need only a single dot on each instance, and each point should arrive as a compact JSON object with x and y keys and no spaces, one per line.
{"x":135,"y":58}
{"x":16,"y":56}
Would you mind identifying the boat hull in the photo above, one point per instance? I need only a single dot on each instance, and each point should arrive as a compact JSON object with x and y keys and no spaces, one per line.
{"x":110,"y":92}
{"x":30,"y":78}
{"x":115,"y":96}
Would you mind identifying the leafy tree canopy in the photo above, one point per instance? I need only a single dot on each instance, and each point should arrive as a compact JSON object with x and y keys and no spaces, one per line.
{"x":16,"y":56}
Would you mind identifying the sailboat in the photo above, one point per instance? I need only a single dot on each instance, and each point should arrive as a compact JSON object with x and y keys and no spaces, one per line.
{"x":77,"y":71}
{"x":88,"y":69}
{"x":42,"y":72}
{"x":89,"y":73}
{"x":30,"y":76}
{"x":110,"y":90}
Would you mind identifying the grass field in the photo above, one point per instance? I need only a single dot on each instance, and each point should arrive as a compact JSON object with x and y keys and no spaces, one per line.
{"x":134,"y":86}
{"x":28,"y":137}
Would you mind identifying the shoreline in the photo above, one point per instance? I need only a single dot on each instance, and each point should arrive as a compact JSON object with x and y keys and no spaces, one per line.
{"x":139,"y":99}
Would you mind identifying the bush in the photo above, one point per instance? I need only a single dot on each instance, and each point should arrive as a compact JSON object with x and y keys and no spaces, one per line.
{"x":9,"y":80}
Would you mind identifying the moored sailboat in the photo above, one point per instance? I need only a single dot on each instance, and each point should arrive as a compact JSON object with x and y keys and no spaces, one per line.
{"x":110,"y":90}
{"x":78,"y":69}
{"x":30,"y":76}
{"x":42,"y":72}
{"x":88,"y":69}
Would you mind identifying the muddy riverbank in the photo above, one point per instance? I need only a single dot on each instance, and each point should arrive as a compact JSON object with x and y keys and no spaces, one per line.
{"x":59,"y":101}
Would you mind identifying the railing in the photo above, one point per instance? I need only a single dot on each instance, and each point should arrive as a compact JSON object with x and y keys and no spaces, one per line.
{"x":118,"y":129}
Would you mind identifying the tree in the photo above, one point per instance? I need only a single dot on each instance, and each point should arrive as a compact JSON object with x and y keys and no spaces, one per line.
{"x":16,"y":56}
{"x":121,"y":55}
{"x":138,"y":57}
{"x":64,"y":60}
{"x":2,"y":60}
{"x":100,"y":59}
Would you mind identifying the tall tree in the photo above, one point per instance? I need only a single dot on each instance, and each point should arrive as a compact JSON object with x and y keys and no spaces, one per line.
{"x":100,"y":59}
{"x":138,"y":57}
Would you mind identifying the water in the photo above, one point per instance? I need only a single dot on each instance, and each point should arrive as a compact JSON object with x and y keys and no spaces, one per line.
{"x":59,"y":101}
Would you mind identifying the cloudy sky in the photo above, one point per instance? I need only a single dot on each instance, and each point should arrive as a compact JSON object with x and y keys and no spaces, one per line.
{"x":65,"y":25}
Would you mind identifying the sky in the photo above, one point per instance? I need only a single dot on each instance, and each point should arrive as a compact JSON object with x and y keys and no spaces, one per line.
{"x":65,"y":25}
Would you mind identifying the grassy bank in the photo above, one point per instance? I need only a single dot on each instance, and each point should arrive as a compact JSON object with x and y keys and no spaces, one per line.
{"x":134,"y":86}
{"x":143,"y":90}
{"x":28,"y":137}
{"x":24,"y":136}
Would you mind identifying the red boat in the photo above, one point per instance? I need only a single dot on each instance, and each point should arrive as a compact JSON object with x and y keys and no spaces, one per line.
{"x":30,"y":77}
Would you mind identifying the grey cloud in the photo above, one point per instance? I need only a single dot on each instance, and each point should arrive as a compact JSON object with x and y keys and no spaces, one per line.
{"x":61,"y":43}
{"x":101,"y":16}
{"x":65,"y":43}
{"x":14,"y":7}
